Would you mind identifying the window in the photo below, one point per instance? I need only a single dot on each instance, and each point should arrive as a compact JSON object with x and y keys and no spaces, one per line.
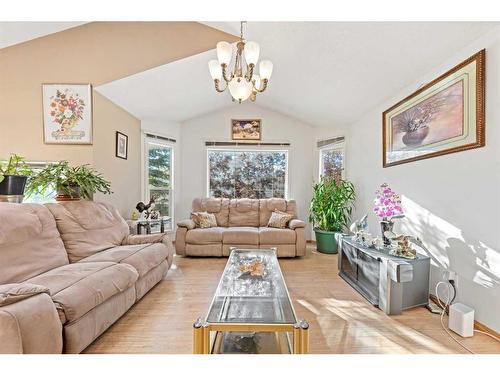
{"x":50,"y":194}
{"x":159,"y":158}
{"x":247,"y":174}
{"x":332,"y":161}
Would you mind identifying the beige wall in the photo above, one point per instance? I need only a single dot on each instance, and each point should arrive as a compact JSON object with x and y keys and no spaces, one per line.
{"x":93,"y":53}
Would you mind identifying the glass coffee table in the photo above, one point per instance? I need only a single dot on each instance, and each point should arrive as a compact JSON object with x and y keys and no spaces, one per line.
{"x":251,"y":311}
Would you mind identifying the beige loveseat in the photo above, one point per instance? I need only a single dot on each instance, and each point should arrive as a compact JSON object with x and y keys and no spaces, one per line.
{"x":241,"y":223}
{"x":68,"y":271}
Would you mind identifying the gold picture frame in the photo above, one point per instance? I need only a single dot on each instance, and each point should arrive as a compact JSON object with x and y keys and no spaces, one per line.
{"x":68,"y":122}
{"x":246,"y":130}
{"x":444,"y":116}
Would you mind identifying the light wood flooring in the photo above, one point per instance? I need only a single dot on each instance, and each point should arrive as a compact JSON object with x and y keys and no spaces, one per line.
{"x":341,"y":321}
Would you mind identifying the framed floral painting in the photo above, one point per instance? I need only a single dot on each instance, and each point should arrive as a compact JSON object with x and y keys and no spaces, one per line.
{"x":246,"y":130}
{"x":444,"y":116}
{"x":67,"y":113}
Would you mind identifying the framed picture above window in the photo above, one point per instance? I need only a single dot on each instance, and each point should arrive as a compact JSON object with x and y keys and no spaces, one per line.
{"x":67,"y":113}
{"x":446,"y":115}
{"x":121,"y":145}
{"x":246,"y":130}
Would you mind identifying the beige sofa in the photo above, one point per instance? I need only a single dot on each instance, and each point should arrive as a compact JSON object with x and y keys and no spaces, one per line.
{"x":241,"y":223}
{"x":68,"y":271}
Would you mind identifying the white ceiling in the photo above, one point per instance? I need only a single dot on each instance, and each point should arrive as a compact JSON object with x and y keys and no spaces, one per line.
{"x":18,"y":32}
{"x":325,"y":73}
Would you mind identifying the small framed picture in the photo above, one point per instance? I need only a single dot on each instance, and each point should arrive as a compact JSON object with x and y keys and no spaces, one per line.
{"x":67,"y":113}
{"x":246,"y":130}
{"x":121,"y":145}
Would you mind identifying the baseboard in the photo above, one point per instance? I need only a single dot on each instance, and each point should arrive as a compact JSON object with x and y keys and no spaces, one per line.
{"x":311,"y":241}
{"x":477,"y":325}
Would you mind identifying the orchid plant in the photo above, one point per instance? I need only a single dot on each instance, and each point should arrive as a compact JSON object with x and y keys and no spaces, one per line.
{"x":387,"y":203}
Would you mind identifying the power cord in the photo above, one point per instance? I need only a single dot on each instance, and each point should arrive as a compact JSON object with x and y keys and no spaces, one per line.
{"x":446,"y":305}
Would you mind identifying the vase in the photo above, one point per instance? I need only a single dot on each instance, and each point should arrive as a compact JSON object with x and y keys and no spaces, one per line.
{"x":385,"y":226}
{"x":416,"y":137}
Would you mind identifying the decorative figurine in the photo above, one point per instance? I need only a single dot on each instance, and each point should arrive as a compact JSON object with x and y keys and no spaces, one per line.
{"x":144,"y":208}
{"x":403,"y":247}
{"x":135,"y":215}
{"x":155,"y":214}
{"x":359,"y":227}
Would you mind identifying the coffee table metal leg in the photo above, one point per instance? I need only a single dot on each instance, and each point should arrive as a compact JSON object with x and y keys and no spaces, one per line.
{"x":304,"y":337}
{"x":297,"y":336}
{"x":197,"y":337}
{"x":206,"y":338}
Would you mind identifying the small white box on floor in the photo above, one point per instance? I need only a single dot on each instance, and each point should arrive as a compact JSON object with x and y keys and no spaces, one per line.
{"x":461,"y":319}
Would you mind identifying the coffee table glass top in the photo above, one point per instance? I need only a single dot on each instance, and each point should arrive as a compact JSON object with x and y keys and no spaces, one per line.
{"x":252,"y":290}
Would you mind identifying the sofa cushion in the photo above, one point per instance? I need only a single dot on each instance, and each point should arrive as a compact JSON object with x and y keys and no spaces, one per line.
{"x":267,"y":207}
{"x":217,"y":206}
{"x":204,"y":219}
{"x":244,"y":212}
{"x":142,"y":257}
{"x":275,"y":236}
{"x":279,"y":219}
{"x":79,"y":287}
{"x":202,"y":236}
{"x":29,"y":242}
{"x":241,"y":236}
{"x":88,"y":227}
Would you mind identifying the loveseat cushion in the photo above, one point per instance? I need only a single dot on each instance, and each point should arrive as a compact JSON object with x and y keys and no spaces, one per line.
{"x":275,"y":236}
{"x":142,"y":257}
{"x":201,"y":236}
{"x":29,"y":242}
{"x":88,"y":227}
{"x":79,"y":287}
{"x":241,"y":236}
{"x":244,"y":212}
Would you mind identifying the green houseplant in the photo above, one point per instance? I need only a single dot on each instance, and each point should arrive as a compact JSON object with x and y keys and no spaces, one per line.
{"x":330,"y":211}
{"x":14,"y":173}
{"x":70,"y":183}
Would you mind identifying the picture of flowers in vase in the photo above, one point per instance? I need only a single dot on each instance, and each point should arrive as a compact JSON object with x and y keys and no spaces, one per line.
{"x":67,"y":113}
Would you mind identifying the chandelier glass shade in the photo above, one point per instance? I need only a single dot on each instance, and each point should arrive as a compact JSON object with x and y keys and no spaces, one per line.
{"x":240,"y":80}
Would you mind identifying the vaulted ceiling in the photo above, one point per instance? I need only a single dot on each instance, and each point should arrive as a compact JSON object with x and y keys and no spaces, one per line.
{"x":325,"y":73}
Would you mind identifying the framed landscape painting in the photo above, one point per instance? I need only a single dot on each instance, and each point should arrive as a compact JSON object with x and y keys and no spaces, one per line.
{"x":67,"y":113}
{"x":248,"y":130}
{"x":444,"y":116}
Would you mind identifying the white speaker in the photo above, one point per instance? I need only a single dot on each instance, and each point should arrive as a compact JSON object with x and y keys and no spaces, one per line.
{"x":461,"y":319}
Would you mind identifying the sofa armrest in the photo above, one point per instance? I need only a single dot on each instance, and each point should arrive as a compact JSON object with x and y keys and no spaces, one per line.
{"x":12,"y":293}
{"x":295,"y":223}
{"x":187,"y":223}
{"x":29,"y":322}
{"x":140,"y":239}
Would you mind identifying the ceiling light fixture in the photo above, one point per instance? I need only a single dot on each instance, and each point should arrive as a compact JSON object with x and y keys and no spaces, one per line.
{"x":242,"y":83}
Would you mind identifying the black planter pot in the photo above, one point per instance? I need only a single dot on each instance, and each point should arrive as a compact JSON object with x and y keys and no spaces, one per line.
{"x":13,"y":185}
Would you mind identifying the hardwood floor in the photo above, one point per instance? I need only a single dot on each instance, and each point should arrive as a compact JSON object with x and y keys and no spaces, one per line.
{"x":341,"y":321}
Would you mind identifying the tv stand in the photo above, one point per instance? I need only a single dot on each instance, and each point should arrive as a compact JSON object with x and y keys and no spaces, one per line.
{"x":389,"y":282}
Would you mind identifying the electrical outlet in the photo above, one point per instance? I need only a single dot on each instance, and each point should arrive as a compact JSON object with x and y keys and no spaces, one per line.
{"x":449,"y":275}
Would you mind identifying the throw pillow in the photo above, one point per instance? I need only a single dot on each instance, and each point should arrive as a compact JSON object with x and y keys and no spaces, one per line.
{"x":204,"y":219}
{"x":279,"y":219}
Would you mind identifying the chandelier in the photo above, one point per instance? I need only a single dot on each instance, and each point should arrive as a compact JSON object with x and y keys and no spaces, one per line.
{"x":241,"y":81}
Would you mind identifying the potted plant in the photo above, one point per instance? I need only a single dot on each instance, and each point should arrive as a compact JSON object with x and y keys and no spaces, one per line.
{"x":330,"y":211}
{"x":13,"y":176}
{"x":387,"y":207}
{"x":70,"y":183}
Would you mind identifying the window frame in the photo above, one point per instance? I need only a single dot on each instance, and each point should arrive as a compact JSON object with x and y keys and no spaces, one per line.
{"x":332,"y":147}
{"x":240,"y":149}
{"x":145,"y":190}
